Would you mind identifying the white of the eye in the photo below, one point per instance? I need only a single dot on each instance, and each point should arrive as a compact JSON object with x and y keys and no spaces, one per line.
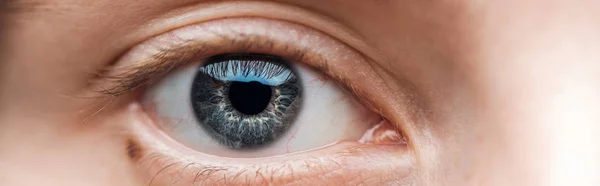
{"x":327,"y":115}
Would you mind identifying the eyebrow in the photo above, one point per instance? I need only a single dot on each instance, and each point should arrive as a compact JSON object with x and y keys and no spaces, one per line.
{"x":4,"y":8}
{"x":16,"y":6}
{"x":12,"y":7}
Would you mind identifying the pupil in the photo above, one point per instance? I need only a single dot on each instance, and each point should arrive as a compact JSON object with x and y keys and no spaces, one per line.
{"x":249,"y":97}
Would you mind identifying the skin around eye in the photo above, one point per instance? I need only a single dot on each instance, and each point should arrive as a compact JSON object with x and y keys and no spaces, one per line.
{"x":333,"y":136}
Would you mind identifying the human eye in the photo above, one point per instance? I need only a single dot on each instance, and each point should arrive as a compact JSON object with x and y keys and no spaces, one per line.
{"x":254,"y":101}
{"x":255,"y":105}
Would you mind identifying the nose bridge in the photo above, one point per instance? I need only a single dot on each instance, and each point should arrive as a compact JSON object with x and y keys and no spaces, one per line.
{"x":548,"y":106}
{"x":548,"y":114}
{"x":573,"y":136}
{"x":560,"y":114}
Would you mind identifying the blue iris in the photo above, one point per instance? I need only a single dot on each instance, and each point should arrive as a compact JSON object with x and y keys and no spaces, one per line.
{"x":246,"y":100}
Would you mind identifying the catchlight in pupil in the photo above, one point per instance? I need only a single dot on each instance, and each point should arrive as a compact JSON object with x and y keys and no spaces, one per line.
{"x":249,"y":98}
{"x":246,"y":100}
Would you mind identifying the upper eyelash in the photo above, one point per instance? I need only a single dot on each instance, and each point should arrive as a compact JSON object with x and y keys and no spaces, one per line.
{"x":244,"y":67}
{"x":125,"y":79}
{"x":129,"y":78}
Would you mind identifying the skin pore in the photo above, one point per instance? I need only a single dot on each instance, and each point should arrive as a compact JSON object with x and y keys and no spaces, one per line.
{"x":496,"y":92}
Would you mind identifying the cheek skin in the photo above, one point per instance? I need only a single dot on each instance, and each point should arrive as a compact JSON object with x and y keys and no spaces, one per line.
{"x":66,"y":153}
{"x":162,"y":161}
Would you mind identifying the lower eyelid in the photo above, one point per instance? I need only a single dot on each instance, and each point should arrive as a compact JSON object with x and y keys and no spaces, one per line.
{"x":351,"y":165}
{"x":165,"y":162}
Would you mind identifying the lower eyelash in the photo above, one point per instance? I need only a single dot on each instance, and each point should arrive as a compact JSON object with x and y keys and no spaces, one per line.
{"x":347,"y":166}
{"x":202,"y":172}
{"x":193,"y":173}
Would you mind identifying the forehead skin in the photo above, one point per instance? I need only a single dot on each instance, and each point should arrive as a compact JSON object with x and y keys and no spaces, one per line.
{"x":501,"y":78}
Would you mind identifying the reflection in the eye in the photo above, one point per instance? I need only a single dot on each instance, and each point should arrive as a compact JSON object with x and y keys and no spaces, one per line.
{"x":197,"y":122}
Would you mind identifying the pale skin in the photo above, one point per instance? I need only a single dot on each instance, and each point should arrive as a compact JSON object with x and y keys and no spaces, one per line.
{"x":496,"y":92}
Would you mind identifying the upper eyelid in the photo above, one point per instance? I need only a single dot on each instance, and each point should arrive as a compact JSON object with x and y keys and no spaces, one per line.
{"x":295,"y":42}
{"x":125,"y":79}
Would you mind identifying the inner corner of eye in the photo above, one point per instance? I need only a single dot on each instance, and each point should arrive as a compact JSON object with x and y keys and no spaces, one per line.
{"x":254,"y":104}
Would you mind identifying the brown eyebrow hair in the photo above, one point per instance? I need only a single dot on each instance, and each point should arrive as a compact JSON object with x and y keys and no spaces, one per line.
{"x":4,"y":9}
{"x":11,"y":9}
{"x":17,"y":6}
